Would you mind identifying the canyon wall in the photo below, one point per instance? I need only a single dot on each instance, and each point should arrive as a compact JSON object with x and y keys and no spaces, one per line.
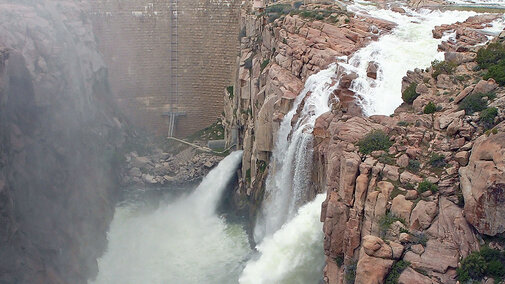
{"x":134,"y":37}
{"x":60,"y":136}
{"x":410,"y":212}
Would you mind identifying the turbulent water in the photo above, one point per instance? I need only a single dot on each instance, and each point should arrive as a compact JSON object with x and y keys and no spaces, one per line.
{"x":411,"y":45}
{"x":183,"y":241}
{"x":288,"y":182}
{"x":293,"y":254}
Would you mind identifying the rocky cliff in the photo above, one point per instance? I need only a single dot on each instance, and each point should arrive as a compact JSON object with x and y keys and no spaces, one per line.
{"x":278,"y":52}
{"x":59,"y":144}
{"x":409,"y":196}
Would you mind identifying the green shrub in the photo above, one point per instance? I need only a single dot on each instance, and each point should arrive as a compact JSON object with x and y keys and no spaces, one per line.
{"x":339,"y":260}
{"x":229,"y":90}
{"x":497,"y":72}
{"x":473,"y":103}
{"x":350,"y":272}
{"x":437,"y":160}
{"x":264,"y":64}
{"x":387,"y":220}
{"x":298,"y":4}
{"x":374,"y":141}
{"x":414,"y":165}
{"x":472,"y":267}
{"x":442,"y":67}
{"x":386,"y":159}
{"x":487,"y":117}
{"x":425,"y":186}
{"x":490,"y":55}
{"x":395,"y":271}
{"x":402,"y":123}
{"x":430,"y":108}
{"x":409,"y":95}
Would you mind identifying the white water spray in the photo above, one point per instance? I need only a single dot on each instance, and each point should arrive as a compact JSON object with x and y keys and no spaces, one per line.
{"x":288,"y":182}
{"x":410,"y":45}
{"x":293,"y":254}
{"x":180,"y":242}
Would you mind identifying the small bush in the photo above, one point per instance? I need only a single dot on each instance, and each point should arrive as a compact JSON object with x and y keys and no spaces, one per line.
{"x":248,"y":63}
{"x":490,"y":55}
{"x":264,"y":64}
{"x":437,"y":160}
{"x":409,"y":95}
{"x":402,"y":123}
{"x":339,"y":260}
{"x":350,"y":272}
{"x":374,"y":141}
{"x":473,"y":103}
{"x":430,"y":108}
{"x":425,"y":186}
{"x":395,"y":271}
{"x":414,"y":165}
{"x":497,"y":72}
{"x":386,"y":221}
{"x":298,"y":4}
{"x":419,"y":238}
{"x":442,"y":67}
{"x":487,"y":117}
{"x":386,"y":159}
{"x":229,"y":90}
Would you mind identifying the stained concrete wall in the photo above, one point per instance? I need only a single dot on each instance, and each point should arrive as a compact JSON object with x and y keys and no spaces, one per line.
{"x":134,"y":37}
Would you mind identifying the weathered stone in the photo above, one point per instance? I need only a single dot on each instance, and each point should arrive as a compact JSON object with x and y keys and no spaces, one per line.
{"x":484,"y":87}
{"x":410,"y":276}
{"x":376,"y":247}
{"x":462,"y":158}
{"x":372,"y":69}
{"x":483,"y":185}
{"x":422,"y":215}
{"x":403,"y":161}
{"x":411,"y":194}
{"x":437,"y":256}
{"x":401,"y":207}
{"x":407,"y":177}
{"x":372,"y":270}
{"x":418,"y":248}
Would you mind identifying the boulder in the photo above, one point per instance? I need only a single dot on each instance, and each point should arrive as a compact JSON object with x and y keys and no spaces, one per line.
{"x":422,"y":215}
{"x":371,"y":270}
{"x":401,"y":207}
{"x":407,"y":177}
{"x":403,"y":161}
{"x":462,"y":158}
{"x":376,"y":247}
{"x":371,"y":70}
{"x":484,"y":87}
{"x":410,"y":276}
{"x":483,"y":184}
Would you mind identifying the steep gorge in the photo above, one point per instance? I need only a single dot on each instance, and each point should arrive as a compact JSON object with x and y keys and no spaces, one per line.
{"x":377,"y":215}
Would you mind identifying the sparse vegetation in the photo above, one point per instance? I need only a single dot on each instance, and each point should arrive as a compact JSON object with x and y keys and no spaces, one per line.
{"x":426,"y":185}
{"x":387,"y":220}
{"x":442,"y":67}
{"x":395,"y":271}
{"x":430,"y":108}
{"x":402,"y":123}
{"x":492,"y":58}
{"x":486,"y":262}
{"x":437,"y":160}
{"x":229,"y":90}
{"x":264,"y":64}
{"x":473,"y":103}
{"x":386,"y":159}
{"x":374,"y":141}
{"x":414,"y":165}
{"x":487,"y":117}
{"x":409,"y":95}
{"x":262,"y":166}
{"x":350,"y":272}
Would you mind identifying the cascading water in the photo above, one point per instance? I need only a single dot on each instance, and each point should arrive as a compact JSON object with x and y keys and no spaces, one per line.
{"x":180,"y":242}
{"x":291,"y":164}
{"x":411,"y":45}
{"x":294,"y":254}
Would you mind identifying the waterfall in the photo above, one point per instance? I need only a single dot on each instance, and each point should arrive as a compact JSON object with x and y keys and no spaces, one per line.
{"x":293,"y":254}
{"x":183,"y":241}
{"x":288,"y":182}
{"x":411,"y":45}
